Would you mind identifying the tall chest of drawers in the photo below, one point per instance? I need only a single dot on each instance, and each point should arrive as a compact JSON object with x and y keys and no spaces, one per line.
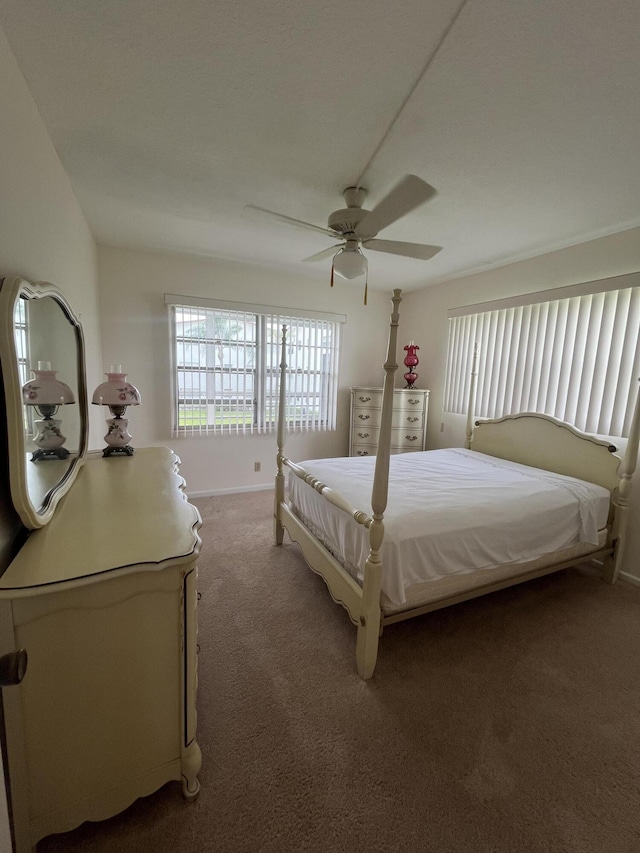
{"x":408,"y":426}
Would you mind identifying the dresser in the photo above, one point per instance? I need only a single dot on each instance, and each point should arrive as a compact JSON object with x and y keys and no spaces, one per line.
{"x":104,"y":600}
{"x":408,"y":426}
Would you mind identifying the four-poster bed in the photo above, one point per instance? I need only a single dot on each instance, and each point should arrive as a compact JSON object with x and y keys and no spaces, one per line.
{"x":528,"y":495}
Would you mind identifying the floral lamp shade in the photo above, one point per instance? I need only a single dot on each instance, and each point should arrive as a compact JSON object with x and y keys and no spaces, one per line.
{"x":116,"y":391}
{"x":45,"y":389}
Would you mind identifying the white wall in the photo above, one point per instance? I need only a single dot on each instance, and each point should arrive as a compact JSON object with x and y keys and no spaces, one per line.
{"x":43,"y":236}
{"x":135,"y":333}
{"x":425,"y":320}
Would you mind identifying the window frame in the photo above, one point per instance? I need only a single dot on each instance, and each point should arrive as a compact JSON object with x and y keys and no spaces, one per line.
{"x":319,"y":383}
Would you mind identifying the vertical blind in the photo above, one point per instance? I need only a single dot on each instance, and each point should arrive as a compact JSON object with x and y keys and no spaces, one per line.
{"x":226,"y":369}
{"x":575,"y":358}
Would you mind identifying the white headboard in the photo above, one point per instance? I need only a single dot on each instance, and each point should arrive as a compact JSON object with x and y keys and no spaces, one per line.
{"x":545,"y":442}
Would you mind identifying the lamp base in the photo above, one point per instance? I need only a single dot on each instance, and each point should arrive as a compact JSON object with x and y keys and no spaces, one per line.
{"x":127,"y":450}
{"x":50,"y":453}
{"x":410,"y":378}
{"x":118,"y":436}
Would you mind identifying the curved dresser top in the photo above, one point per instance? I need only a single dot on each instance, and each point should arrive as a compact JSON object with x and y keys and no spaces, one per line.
{"x":123,"y":513}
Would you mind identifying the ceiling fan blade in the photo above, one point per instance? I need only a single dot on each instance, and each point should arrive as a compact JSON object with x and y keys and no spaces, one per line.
{"x":288,"y":220}
{"x":410,"y":193}
{"x":410,"y":250}
{"x":325,"y":253}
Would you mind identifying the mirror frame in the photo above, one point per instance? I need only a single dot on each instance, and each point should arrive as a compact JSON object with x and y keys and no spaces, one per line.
{"x":11,"y":290}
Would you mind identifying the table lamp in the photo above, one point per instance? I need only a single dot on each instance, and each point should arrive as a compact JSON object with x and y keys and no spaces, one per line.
{"x":117,"y":394}
{"x":46,"y":394}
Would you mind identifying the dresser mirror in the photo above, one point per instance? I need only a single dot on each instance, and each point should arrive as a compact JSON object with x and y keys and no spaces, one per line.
{"x":43,"y":373}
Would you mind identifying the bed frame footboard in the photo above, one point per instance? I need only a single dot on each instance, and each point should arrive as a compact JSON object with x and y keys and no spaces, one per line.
{"x":361,"y":602}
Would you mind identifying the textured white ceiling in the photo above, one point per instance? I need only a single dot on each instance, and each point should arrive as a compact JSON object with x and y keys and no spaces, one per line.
{"x":169,"y":117}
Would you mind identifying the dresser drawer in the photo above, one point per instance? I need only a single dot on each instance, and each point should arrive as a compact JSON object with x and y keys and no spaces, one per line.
{"x":365,"y":434}
{"x":370,"y":419}
{"x":408,"y":419}
{"x":406,"y":439}
{"x":363,"y":417}
{"x":409,"y":401}
{"x":367,"y":398}
{"x":364,"y":449}
{"x":366,"y":443}
{"x":372,"y":399}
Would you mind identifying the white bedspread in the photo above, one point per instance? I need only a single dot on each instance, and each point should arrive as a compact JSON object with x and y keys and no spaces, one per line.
{"x":449,"y":511}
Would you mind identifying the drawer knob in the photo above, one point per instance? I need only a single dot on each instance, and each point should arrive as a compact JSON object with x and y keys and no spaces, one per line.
{"x":364,"y":417}
{"x":364,"y":399}
{"x":13,"y":667}
{"x":413,"y":420}
{"x":363,"y":453}
{"x":414,"y":402}
{"x":363,"y":435}
{"x":411,"y":437}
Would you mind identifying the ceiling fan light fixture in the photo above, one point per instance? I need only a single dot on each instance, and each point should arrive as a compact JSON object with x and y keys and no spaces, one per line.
{"x":350,"y":263}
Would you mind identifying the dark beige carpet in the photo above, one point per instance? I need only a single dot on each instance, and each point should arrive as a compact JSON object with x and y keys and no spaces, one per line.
{"x":510,"y":724}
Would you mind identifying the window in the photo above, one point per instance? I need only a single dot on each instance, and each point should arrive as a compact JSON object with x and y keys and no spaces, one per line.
{"x":572,"y":353}
{"x":20,"y":331}
{"x":20,"y":325}
{"x":226,"y":366}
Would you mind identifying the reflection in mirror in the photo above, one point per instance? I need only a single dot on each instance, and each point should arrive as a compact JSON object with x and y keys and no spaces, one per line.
{"x":46,"y":394}
{"x":43,"y":375}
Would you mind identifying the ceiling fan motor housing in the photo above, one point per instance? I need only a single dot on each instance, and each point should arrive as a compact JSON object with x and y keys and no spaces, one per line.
{"x":345,"y":220}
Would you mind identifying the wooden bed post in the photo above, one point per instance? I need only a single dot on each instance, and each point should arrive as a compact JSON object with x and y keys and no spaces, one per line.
{"x":370,"y":615}
{"x":613,"y":563}
{"x":471,"y":405}
{"x":278,"y":529}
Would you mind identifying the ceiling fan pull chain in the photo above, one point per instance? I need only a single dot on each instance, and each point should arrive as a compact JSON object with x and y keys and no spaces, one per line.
{"x":366,"y":286}
{"x":331,"y":273}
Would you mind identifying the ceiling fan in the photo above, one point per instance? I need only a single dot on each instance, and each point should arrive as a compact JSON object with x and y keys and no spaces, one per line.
{"x":357,"y":228}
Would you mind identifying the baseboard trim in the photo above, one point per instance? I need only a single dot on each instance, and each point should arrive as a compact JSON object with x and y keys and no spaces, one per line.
{"x":625,"y":576}
{"x":212,"y":493}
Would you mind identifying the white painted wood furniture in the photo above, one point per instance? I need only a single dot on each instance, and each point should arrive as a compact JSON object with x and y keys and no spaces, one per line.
{"x":101,"y":595}
{"x":530,"y":439}
{"x":408,"y":422}
{"x":104,"y":600}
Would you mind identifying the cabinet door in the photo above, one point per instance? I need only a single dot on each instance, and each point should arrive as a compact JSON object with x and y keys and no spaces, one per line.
{"x":101,"y":703}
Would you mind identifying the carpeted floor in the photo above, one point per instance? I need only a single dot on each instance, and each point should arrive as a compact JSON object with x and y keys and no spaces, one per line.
{"x":509,"y":724}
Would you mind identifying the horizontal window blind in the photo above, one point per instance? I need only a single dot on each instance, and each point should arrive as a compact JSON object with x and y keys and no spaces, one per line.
{"x":575,"y":358}
{"x":226,"y":369}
